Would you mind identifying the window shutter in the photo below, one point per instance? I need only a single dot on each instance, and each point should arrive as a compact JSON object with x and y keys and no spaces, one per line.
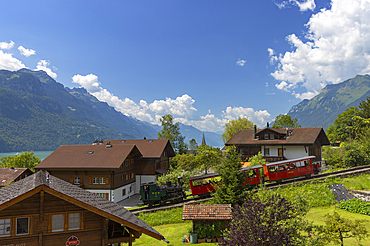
{"x":106,"y":180}
{"x":90,"y":180}
{"x":81,"y":180}
{"x":107,"y":196}
{"x":71,"y":180}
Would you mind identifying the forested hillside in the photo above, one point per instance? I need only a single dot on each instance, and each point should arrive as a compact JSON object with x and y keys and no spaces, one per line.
{"x":38,"y":113}
{"x":324,"y":108}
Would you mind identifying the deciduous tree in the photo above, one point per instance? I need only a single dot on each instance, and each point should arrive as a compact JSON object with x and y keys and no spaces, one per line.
{"x":338,"y":228}
{"x":233,"y":126}
{"x":207,"y":157}
{"x":285,"y":121}
{"x":171,"y":131}
{"x":25,"y":159}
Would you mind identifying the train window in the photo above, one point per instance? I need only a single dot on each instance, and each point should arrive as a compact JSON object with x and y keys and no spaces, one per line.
{"x":273,"y":169}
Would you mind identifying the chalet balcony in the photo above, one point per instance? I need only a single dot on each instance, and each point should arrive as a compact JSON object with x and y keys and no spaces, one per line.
{"x":274,"y":158}
{"x":267,"y":158}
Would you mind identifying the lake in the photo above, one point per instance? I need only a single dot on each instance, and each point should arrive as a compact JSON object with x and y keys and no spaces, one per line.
{"x":41,"y":154}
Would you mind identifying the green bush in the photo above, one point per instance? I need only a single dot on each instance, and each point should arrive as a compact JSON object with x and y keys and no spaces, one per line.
{"x":356,"y":206}
{"x":333,"y":156}
{"x":209,"y":230}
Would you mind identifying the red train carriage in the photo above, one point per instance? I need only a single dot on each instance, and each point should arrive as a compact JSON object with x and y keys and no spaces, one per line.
{"x":278,"y":171}
{"x":203,"y":185}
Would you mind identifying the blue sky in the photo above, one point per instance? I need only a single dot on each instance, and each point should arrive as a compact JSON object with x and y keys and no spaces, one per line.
{"x":204,"y":62}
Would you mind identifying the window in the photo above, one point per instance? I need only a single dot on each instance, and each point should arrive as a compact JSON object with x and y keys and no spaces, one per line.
{"x":4,"y":227}
{"x":266,"y":136}
{"x":130,"y":188}
{"x":74,"y":221}
{"x":104,"y":195}
{"x":132,"y":175}
{"x":95,"y":180}
{"x":101,"y":180}
{"x":127,"y":177}
{"x":272,"y":136}
{"x":266,"y":151}
{"x":127,"y":163}
{"x":124,"y":192}
{"x":22,"y":226}
{"x":76,"y":180}
{"x":57,"y":222}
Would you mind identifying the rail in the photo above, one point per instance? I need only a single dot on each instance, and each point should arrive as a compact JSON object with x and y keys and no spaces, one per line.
{"x":347,"y":172}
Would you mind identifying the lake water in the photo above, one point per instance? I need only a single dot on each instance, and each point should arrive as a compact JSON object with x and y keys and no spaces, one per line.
{"x":41,"y":154}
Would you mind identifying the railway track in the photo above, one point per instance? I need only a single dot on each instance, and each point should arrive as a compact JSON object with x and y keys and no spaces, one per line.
{"x":342,"y":173}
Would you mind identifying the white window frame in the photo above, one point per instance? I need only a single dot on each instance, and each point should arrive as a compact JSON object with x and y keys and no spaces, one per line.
{"x":5,"y":226}
{"x":76,"y":180}
{"x":74,"y":221}
{"x":101,"y":180}
{"x":95,"y":180}
{"x":266,"y":151}
{"x":266,"y":136}
{"x":28,"y":226}
{"x":272,"y":136}
{"x":59,"y":219}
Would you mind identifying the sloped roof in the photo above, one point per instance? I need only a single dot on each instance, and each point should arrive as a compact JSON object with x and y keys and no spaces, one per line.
{"x":73,"y":194}
{"x":8,"y":175}
{"x":207,"y":212}
{"x":298,"y":136}
{"x":87,"y":156}
{"x":149,"y":148}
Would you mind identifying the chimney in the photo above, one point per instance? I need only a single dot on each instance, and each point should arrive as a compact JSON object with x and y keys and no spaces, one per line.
{"x":255,"y":132}
{"x":268,"y":125}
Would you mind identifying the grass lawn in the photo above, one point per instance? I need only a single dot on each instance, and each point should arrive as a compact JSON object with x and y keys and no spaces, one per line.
{"x":317,"y":215}
{"x":172,"y":232}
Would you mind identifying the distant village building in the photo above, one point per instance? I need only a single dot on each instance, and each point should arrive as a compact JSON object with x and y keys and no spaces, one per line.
{"x":278,"y":144}
{"x":9,"y":175}
{"x":44,"y":210}
{"x":114,"y":169}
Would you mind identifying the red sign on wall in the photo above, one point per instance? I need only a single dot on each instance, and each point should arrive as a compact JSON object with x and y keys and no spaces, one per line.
{"x":72,"y":241}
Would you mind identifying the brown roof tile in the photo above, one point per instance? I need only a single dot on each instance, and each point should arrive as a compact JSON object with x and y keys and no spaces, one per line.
{"x":207,"y":212}
{"x":306,"y":135}
{"x":87,"y":156}
{"x":8,"y":175}
{"x":150,"y":148}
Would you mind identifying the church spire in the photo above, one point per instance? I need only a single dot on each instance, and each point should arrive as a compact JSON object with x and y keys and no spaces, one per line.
{"x":203,"y":140}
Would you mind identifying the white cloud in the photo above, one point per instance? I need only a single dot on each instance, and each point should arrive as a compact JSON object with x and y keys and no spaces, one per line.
{"x":6,"y":46}
{"x":43,"y":65}
{"x":302,"y":5}
{"x":241,"y":62}
{"x":338,"y":48}
{"x":8,"y":62}
{"x":26,"y":52}
{"x":272,"y":56}
{"x":181,"y":108}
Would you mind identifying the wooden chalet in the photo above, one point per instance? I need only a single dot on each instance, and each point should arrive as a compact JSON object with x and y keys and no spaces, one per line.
{"x":108,"y":170}
{"x":278,"y":144}
{"x":155,"y":159}
{"x":43,"y":210}
{"x":9,"y":175}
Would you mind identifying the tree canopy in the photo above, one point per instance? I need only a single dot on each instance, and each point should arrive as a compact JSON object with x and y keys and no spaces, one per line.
{"x":25,"y":159}
{"x":171,"y":131}
{"x":285,"y":121}
{"x":233,"y":126}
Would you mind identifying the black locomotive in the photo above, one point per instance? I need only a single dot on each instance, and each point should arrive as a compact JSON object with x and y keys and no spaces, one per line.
{"x":152,"y":194}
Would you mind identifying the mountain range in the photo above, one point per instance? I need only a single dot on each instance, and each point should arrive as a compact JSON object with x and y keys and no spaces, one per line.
{"x":38,"y":113}
{"x":334,"y":99}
